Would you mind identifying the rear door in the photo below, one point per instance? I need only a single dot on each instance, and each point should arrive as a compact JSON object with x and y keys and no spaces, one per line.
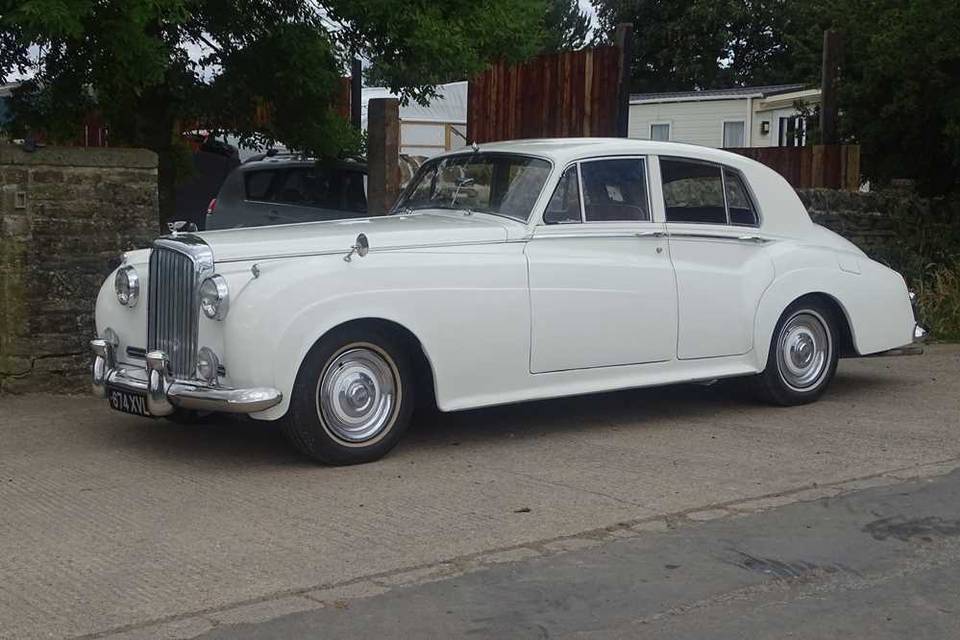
{"x":719,"y":253}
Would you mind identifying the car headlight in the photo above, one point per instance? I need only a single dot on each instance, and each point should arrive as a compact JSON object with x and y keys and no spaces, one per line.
{"x":127,"y":285}
{"x":215,"y":297}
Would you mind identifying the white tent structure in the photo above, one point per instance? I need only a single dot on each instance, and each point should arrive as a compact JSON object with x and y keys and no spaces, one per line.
{"x":431,"y":129}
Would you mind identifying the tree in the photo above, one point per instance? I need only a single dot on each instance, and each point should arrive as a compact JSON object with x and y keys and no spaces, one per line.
{"x":268,"y":70}
{"x":708,"y":44}
{"x":899,"y":91}
{"x":566,"y":26}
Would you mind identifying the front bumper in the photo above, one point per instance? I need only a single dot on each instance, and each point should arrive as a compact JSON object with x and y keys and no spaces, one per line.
{"x":165,"y":393}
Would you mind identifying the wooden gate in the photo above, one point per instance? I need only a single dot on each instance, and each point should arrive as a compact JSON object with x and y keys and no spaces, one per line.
{"x":573,"y":93}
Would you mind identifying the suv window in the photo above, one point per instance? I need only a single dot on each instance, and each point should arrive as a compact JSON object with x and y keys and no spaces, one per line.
{"x":614,"y":190}
{"x":692,"y":191}
{"x":564,"y":205}
{"x":257,"y":184}
{"x":320,"y":187}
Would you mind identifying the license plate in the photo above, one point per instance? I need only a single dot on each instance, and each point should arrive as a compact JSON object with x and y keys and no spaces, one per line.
{"x":128,"y":402}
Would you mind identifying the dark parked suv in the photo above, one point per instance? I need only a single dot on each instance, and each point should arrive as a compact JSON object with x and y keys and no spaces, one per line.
{"x":284,"y":189}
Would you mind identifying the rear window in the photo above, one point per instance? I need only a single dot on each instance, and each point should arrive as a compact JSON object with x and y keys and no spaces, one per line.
{"x":257,"y":184}
{"x":318,"y":187}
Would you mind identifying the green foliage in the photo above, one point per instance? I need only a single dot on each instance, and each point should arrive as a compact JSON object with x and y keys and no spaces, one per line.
{"x":565,"y":26}
{"x":416,"y":44}
{"x":709,"y":44}
{"x":900,"y":88}
{"x":927,"y":252}
{"x":269,"y":70}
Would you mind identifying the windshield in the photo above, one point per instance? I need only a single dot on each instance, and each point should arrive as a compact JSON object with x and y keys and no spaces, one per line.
{"x":502,"y":184}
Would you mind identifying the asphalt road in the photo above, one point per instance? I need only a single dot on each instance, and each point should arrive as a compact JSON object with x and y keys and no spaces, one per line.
{"x":113,"y":526}
{"x":875,"y":564}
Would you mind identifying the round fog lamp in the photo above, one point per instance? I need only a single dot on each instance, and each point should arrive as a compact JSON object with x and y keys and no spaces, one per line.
{"x":127,"y":286}
{"x":214,"y":297}
{"x":208,"y":365}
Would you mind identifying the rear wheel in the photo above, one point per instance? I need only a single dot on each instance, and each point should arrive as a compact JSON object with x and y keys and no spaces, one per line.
{"x":803,"y":354}
{"x":353,"y":397}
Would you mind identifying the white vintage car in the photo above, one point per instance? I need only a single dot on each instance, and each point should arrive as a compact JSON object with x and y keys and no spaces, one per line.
{"x":506,"y":272}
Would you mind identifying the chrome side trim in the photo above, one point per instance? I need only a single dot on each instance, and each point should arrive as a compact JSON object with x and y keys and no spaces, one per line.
{"x":719,"y":236}
{"x":331,"y":252}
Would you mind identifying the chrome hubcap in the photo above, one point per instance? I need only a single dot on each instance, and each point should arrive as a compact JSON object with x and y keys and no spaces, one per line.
{"x":357,"y":394}
{"x":804,"y":350}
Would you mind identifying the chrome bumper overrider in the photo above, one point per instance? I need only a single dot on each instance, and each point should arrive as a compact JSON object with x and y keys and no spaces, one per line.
{"x":165,"y":393}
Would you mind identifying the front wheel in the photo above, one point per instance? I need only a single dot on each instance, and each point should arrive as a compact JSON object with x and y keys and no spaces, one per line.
{"x":353,"y":397}
{"x":803,"y":355}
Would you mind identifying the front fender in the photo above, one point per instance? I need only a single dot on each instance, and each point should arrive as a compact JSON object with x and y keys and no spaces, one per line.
{"x":434,"y":294}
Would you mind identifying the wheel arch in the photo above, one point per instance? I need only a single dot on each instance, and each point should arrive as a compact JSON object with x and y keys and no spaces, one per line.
{"x":422,"y":365}
{"x":847,"y":348}
{"x":776,"y":301}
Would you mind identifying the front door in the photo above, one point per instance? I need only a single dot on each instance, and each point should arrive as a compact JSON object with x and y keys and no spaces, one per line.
{"x":720,"y":256}
{"x":602,"y":289}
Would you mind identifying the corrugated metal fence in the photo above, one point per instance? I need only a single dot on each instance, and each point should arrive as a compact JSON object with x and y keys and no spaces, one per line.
{"x":563,"y":94}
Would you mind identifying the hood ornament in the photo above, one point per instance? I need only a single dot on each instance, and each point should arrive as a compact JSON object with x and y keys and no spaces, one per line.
{"x":360,"y":247}
{"x":178,"y":225}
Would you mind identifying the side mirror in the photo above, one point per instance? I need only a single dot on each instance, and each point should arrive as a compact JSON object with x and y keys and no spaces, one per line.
{"x":360,"y":247}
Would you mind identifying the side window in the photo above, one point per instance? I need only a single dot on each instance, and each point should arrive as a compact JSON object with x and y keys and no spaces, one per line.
{"x":564,"y":206}
{"x":741,"y":207}
{"x":257,"y":184}
{"x":614,"y":190}
{"x":692,"y":191}
{"x":292,"y":186}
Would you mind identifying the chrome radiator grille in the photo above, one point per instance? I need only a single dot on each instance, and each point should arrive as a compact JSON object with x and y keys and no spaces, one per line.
{"x":172,"y":309}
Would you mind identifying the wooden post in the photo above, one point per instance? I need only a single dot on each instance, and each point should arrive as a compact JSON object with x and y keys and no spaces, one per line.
{"x":383,"y":155}
{"x":832,"y":51}
{"x":623,"y":38}
{"x":356,"y":96}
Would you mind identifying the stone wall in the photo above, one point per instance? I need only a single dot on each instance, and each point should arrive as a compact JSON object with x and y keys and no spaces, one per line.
{"x":888,"y":222}
{"x":64,"y":214}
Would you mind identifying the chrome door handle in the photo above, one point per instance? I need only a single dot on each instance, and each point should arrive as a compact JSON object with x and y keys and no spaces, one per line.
{"x":749,"y":238}
{"x":650,"y":234}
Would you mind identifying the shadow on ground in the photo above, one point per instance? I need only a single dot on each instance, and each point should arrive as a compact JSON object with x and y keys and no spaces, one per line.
{"x":240,"y":441}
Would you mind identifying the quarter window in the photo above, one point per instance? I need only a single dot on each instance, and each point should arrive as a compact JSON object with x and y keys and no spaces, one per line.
{"x":739,"y":203}
{"x":564,"y":205}
{"x":614,"y":190}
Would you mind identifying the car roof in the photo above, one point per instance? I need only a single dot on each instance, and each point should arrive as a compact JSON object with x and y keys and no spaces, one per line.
{"x":286,"y":161}
{"x":564,"y":150}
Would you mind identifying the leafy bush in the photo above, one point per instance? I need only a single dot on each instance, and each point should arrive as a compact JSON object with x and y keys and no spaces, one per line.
{"x":938,"y":298}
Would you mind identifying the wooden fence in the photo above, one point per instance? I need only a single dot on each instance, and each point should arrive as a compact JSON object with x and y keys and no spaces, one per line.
{"x":567,"y":94}
{"x":833,"y":166}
